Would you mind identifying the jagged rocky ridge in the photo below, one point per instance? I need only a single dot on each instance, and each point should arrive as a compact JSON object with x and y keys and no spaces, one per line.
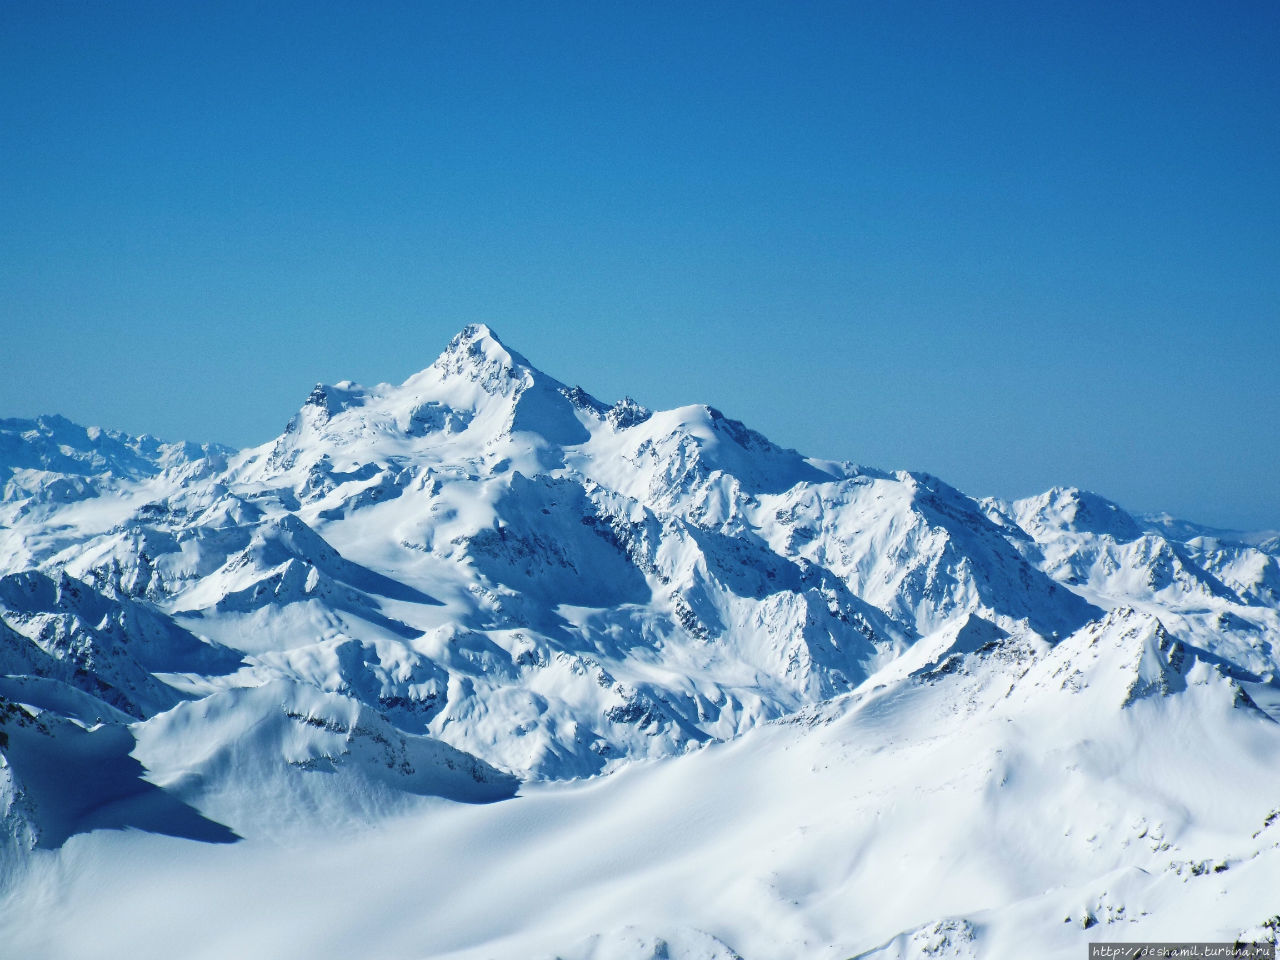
{"x":482,"y":577}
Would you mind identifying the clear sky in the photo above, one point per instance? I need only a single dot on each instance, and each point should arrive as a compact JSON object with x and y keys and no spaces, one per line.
{"x":1012,"y":244}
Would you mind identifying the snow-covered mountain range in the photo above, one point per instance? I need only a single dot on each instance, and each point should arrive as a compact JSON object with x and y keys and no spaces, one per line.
{"x":479,"y":665}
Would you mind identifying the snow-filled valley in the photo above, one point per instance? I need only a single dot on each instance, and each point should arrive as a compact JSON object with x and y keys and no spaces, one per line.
{"x":480,"y":666}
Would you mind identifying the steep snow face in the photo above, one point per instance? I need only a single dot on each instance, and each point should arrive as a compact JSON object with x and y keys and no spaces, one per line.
{"x":464,"y":407}
{"x":429,"y":593}
{"x":534,"y":576}
{"x":923,"y":551}
{"x":1077,"y":511}
{"x":1220,"y":593}
{"x":112,"y":649}
{"x":555,"y":584}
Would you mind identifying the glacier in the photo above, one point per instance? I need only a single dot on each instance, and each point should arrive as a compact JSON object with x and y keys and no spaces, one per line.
{"x":478,"y":665}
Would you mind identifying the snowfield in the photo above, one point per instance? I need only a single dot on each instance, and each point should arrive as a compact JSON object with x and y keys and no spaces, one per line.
{"x":478,"y":666}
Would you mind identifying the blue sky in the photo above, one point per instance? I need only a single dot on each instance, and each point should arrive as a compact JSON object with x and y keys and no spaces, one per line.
{"x":1012,"y":244}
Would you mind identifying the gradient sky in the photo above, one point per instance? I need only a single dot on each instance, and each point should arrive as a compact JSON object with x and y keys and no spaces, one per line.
{"x":1012,"y":244}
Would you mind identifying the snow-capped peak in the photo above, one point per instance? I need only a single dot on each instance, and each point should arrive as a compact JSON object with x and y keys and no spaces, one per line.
{"x":476,"y":354}
{"x":1077,"y":511}
{"x":479,"y":576}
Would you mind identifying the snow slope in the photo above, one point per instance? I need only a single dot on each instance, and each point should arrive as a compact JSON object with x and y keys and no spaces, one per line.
{"x":354,"y":691}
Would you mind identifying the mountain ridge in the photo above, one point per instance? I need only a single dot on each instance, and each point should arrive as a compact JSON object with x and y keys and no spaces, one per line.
{"x":482,"y":581}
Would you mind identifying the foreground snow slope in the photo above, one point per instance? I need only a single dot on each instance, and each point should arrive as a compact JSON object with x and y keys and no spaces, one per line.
{"x":1114,"y":787}
{"x":341,"y":689}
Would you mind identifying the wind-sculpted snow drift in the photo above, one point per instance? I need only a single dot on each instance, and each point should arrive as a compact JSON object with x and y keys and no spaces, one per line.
{"x":481,"y":666}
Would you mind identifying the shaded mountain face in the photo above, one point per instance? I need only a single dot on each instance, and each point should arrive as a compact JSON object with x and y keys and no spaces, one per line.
{"x":497,"y":570}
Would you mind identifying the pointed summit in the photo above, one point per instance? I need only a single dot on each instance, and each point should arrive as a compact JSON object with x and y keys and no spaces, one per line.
{"x":476,"y":331}
{"x":473,"y":336}
{"x":476,"y":354}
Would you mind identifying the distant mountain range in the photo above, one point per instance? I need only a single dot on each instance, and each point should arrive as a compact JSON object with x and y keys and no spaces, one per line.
{"x":913,"y":724}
